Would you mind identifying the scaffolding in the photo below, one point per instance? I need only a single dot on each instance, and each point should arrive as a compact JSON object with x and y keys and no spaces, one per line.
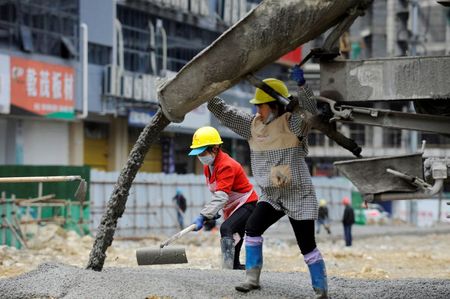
{"x":18,"y":213}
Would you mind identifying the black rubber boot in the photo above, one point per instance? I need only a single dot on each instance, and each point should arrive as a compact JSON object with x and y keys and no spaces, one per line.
{"x":239,"y":267}
{"x":237,"y":251}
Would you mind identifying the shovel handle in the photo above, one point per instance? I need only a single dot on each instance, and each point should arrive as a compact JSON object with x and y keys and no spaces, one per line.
{"x":37,"y":179}
{"x":178,"y":235}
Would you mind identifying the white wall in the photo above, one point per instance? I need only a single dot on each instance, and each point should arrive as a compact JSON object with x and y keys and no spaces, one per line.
{"x":427,"y":211}
{"x":45,"y":142}
{"x":99,"y":15}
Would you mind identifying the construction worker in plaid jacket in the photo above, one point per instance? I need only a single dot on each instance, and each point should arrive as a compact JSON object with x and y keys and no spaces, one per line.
{"x":278,"y":145}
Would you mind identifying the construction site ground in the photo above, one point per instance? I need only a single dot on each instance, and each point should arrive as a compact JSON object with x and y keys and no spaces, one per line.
{"x":390,"y":261}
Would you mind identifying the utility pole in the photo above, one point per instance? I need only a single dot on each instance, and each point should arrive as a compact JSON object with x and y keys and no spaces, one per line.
{"x":447,"y":34}
{"x":414,"y":25}
{"x":413,"y":52}
{"x":402,"y":33}
{"x":390,"y":28}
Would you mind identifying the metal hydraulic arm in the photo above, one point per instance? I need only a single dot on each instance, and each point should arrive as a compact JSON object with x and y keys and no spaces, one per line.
{"x":388,"y":118}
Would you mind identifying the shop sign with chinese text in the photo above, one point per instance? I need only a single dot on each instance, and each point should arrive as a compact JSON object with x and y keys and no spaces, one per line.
{"x":42,"y":89}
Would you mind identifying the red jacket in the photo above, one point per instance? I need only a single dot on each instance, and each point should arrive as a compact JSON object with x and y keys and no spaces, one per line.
{"x":228,"y":176}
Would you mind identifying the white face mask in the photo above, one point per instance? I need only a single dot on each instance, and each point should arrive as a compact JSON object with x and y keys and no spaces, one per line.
{"x":269,"y":118}
{"x":206,"y":160}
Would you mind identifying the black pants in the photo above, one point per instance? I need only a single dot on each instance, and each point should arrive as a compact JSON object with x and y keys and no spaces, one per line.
{"x":348,"y":235}
{"x":236,"y":224}
{"x":265,"y":215}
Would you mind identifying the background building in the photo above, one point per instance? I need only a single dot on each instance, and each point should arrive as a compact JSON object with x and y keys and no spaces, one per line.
{"x":132,"y":45}
{"x":39,"y":85}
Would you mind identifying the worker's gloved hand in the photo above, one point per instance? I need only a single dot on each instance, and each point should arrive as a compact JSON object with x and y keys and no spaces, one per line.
{"x":199,"y":222}
{"x":297,"y":75}
{"x":217,"y":216}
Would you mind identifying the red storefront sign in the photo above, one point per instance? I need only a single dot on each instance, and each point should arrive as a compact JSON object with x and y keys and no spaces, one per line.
{"x":291,"y":58}
{"x":43,"y":89}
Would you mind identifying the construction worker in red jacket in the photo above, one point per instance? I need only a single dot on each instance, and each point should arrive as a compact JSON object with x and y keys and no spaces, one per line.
{"x":231,"y":192}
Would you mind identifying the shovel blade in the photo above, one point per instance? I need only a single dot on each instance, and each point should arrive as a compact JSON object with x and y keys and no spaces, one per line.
{"x":160,"y":256}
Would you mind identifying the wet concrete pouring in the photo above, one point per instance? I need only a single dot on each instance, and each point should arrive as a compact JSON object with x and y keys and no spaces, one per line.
{"x":119,"y":196}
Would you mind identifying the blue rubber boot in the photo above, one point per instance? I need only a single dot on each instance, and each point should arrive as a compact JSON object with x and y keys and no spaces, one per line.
{"x":319,"y":279}
{"x":253,"y":264}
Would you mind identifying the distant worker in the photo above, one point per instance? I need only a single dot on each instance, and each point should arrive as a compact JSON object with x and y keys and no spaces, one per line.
{"x":180,"y":207}
{"x":322,"y":218}
{"x":348,"y":220}
{"x":231,"y":192}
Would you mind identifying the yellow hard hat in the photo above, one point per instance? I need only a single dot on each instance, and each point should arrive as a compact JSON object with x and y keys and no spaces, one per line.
{"x":204,"y":137}
{"x":322,"y":202}
{"x":261,"y":97}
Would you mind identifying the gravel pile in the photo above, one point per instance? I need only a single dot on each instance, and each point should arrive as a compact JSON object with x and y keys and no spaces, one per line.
{"x":58,"y":280}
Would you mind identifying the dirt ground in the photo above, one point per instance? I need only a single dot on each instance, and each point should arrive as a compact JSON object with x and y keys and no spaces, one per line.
{"x":387,"y":257}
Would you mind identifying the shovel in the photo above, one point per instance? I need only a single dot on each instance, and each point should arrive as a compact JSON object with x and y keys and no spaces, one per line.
{"x":161,"y":255}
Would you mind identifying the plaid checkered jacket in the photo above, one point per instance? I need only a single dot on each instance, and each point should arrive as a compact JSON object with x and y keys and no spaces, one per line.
{"x":278,"y":151}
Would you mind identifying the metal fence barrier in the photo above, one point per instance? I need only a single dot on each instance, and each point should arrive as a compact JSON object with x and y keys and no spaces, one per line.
{"x":150,"y":208}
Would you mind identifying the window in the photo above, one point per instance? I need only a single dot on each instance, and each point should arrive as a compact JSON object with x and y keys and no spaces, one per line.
{"x":184,"y":41}
{"x":99,"y":54}
{"x":47,"y":27}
